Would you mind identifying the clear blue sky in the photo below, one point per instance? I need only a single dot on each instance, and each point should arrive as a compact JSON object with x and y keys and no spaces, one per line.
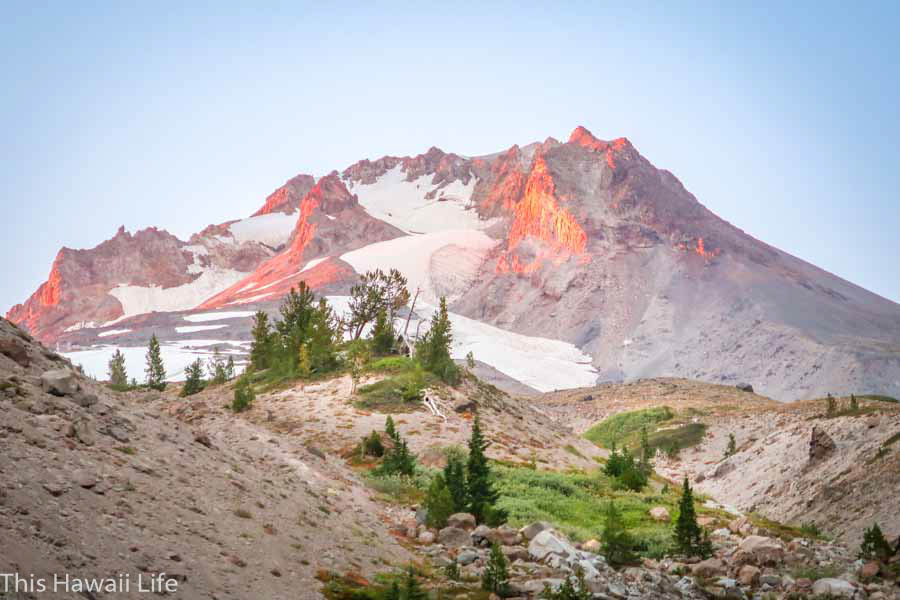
{"x":784,"y":120}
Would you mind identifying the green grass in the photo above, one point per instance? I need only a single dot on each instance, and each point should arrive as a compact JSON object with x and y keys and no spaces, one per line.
{"x":391,"y":364}
{"x":682,"y":436}
{"x":784,"y":531}
{"x":401,"y":389}
{"x":624,"y":429}
{"x":879,"y":398}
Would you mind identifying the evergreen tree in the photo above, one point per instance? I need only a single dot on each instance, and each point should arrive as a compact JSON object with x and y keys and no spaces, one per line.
{"x":618,"y":546}
{"x":482,"y":495}
{"x":412,"y":590}
{"x":831,"y":409}
{"x":156,"y":371}
{"x":229,"y":368}
{"x":689,"y":538}
{"x":304,"y":365}
{"x":193,"y":382}
{"x":615,"y":464}
{"x":452,"y":571}
{"x":390,"y":429}
{"x":732,"y":446}
{"x":569,"y":590}
{"x":393,"y":592}
{"x":322,"y":337}
{"x":438,"y":503}
{"x":398,"y":460}
{"x":470,"y":360}
{"x":433,"y":349}
{"x":372,"y":445}
{"x":495,"y":576}
{"x":215,"y":368}
{"x":118,"y":377}
{"x":243,"y":394}
{"x":854,"y":403}
{"x":297,"y":312}
{"x":874,"y":545}
{"x":455,"y":478}
{"x":382,"y":334}
{"x":261,"y":348}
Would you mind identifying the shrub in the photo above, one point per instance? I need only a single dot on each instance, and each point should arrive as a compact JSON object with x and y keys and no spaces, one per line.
{"x":372,"y":446}
{"x":569,"y":590}
{"x":193,"y":379}
{"x":438,"y":503}
{"x":732,"y":446}
{"x":874,"y":545}
{"x":495,"y":577}
{"x":243,"y":395}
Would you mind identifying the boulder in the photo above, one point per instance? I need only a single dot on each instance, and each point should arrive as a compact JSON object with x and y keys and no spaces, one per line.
{"x":722,"y":469}
{"x":870,"y":569}
{"x":530,"y":531}
{"x":758,"y":550}
{"x":660,"y":513}
{"x":83,"y":431}
{"x":464,"y":405}
{"x":467,"y":556}
{"x":453,"y":537}
{"x":85,"y":400}
{"x":426,"y":537}
{"x":748,"y":575}
{"x":15,"y":350}
{"x":462,"y":521}
{"x":504,"y":535}
{"x":84,"y":479}
{"x":708,"y":568}
{"x":481,"y":536}
{"x":745,"y":387}
{"x":737,"y":524}
{"x":837,"y":588}
{"x":593,"y":546}
{"x":546,"y":544}
{"x":820,"y":444}
{"x":514,"y":553}
{"x":59,"y":382}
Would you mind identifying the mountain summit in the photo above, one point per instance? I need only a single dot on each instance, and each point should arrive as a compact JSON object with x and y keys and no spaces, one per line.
{"x":584,"y":242}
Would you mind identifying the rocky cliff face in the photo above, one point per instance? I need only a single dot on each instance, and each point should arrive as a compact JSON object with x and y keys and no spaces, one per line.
{"x":584,"y":241}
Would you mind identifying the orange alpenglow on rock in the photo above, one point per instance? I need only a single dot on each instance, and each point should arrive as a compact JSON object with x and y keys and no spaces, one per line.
{"x":538,"y":215}
{"x":585,"y":138}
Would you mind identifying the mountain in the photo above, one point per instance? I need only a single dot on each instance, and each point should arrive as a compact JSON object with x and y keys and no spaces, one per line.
{"x":580,"y":256}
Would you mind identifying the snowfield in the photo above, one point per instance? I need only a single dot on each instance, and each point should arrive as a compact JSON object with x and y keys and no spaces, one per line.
{"x":138,"y":300}
{"x":272,"y":229}
{"x":540,"y":363}
{"x":176,"y":357}
{"x":403,"y":204}
{"x":417,"y":257}
{"x":113,"y":332}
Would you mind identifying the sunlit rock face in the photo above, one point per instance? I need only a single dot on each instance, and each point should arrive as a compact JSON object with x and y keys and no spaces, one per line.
{"x":583,"y":241}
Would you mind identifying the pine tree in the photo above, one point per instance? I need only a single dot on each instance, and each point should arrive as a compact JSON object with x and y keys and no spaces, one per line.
{"x":118,"y":377}
{"x":438,"y":503}
{"x":455,"y":478}
{"x":156,"y":372}
{"x":689,"y":538}
{"x":243,"y":394}
{"x":382,"y":334}
{"x":482,"y":496}
{"x":615,"y":464}
{"x":390,"y":429}
{"x":193,"y":382}
{"x":874,"y":545}
{"x":304,"y":366}
{"x":854,"y":403}
{"x":831,"y":409}
{"x":495,"y":576}
{"x":215,"y":368}
{"x":433,"y":349}
{"x":398,"y":460}
{"x":261,"y":348}
{"x":321,"y":338}
{"x":732,"y":446}
{"x":229,"y":368}
{"x":393,"y":592}
{"x":618,"y":545}
{"x":412,"y":590}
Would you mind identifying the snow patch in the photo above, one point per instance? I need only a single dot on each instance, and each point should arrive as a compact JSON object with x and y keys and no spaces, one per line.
{"x":113,"y":332}
{"x":138,"y":300}
{"x":175,"y":359}
{"x":216,"y":316}
{"x":403,"y":204}
{"x":540,"y":363}
{"x":193,"y":328}
{"x":412,"y":256}
{"x":81,"y":325}
{"x":271,"y":229}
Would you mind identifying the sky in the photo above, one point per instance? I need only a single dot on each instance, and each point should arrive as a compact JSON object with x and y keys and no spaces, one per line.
{"x":782,"y":118}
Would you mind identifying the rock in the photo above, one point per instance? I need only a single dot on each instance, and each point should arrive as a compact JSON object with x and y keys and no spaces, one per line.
{"x":15,"y":350}
{"x":462,"y":521}
{"x":834,"y":587}
{"x":592,"y":546}
{"x":505,"y":536}
{"x":426,"y":537}
{"x":708,"y":568}
{"x":464,"y":405}
{"x":56,"y":488}
{"x":530,"y":531}
{"x":820,"y":444}
{"x":870,"y":569}
{"x":84,"y":479}
{"x":737,"y":524}
{"x":513,"y":553}
{"x":482,"y":535}
{"x":534,"y":587}
{"x":748,"y":575}
{"x":660,"y":513}
{"x":722,"y":469}
{"x":772,"y":579}
{"x":545,"y":544}
{"x":83,"y":430}
{"x":421,"y":515}
{"x":745,"y":387}
{"x":467,"y":556}
{"x":202,"y":438}
{"x":706,"y":521}
{"x":453,"y":537}
{"x":758,"y":550}
{"x":59,"y":382}
{"x":85,"y":400}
